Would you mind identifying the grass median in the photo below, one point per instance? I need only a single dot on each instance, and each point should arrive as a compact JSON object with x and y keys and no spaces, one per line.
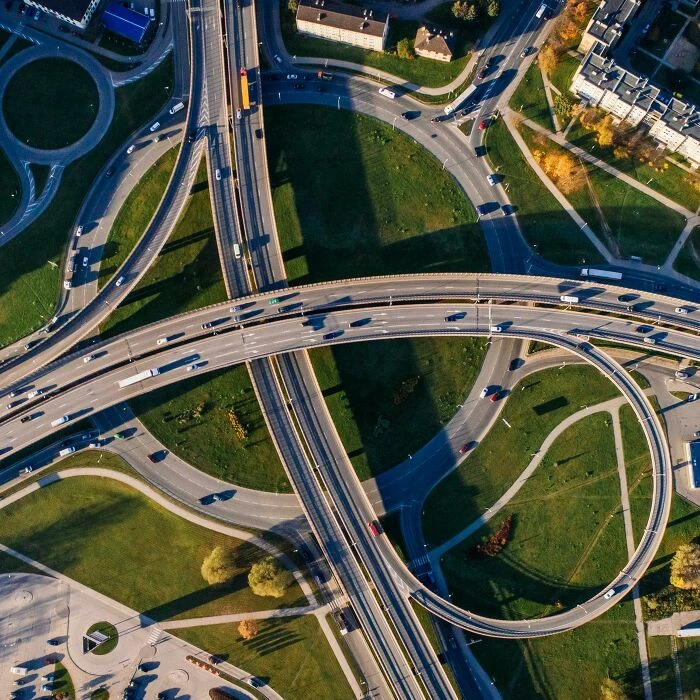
{"x":289,"y":654}
{"x":214,"y":423}
{"x":389,"y":398}
{"x":537,"y":404}
{"x":544,"y":223}
{"x":186,"y":274}
{"x":135,"y":214}
{"x":344,"y":208}
{"x":32,"y":261}
{"x":110,"y":537}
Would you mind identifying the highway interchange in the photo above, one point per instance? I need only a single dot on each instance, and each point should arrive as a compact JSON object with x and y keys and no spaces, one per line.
{"x":381,"y":308}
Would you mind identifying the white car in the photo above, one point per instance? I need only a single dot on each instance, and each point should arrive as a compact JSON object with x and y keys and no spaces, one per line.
{"x":681,"y":310}
{"x":131,"y":148}
{"x":32,"y":394}
{"x":161,"y":341}
{"x":609,"y":594}
{"x":120,"y":281}
{"x":88,"y":358}
{"x":153,"y":127}
{"x":278,"y":58}
{"x":693,"y":397}
{"x":67,"y":284}
{"x":218,"y":174}
{"x":484,"y":393}
{"x":79,"y":231}
{"x":25,"y":470}
{"x":94,"y":444}
{"x":292,"y":76}
{"x":191,"y":368}
{"x":496,"y":329}
{"x":85,"y":261}
{"x":239,"y":114}
{"x":491,"y":180}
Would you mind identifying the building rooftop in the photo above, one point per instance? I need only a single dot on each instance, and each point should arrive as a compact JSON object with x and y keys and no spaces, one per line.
{"x":343,"y":16}
{"x":125,"y":22}
{"x":438,"y":41}
{"x":638,"y":90}
{"x":608,"y":19}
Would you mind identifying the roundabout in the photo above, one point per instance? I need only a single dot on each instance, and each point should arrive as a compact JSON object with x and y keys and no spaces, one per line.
{"x":37,"y":125}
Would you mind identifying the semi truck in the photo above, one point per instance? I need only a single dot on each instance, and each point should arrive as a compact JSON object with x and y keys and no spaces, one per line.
{"x":146,"y":374}
{"x":245,"y":94}
{"x":605,"y":274}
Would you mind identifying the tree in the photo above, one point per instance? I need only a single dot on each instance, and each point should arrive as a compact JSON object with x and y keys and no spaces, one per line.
{"x":219,"y":566}
{"x":404,"y":49}
{"x":248,"y":629}
{"x":493,"y":8}
{"x":606,"y":131}
{"x":611,"y":690}
{"x":268,"y":578}
{"x":464,"y":10}
{"x":563,"y":105}
{"x":567,"y":30}
{"x":549,"y":58}
{"x":293,"y":5}
{"x":685,"y":567}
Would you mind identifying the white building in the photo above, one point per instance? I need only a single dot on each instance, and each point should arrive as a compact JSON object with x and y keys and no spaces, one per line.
{"x":75,"y":12}
{"x":347,"y":24}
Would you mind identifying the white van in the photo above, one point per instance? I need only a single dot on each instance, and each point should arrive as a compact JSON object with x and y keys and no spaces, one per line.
{"x":66,"y":451}
{"x":153,"y":127}
{"x":387,"y":93}
{"x":236,"y":251}
{"x":448,"y":110}
{"x":495,"y":329}
{"x":542,"y":12}
{"x":177,"y":107}
{"x":19,"y":670}
{"x":59,"y":421}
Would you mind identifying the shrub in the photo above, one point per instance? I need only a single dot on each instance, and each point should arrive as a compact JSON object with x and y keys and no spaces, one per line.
{"x":219,"y":566}
{"x":269,"y":578}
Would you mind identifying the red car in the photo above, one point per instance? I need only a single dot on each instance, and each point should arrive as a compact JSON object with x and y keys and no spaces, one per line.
{"x":483,"y":124}
{"x":373,"y":528}
{"x":494,"y":397}
{"x":467,"y":446}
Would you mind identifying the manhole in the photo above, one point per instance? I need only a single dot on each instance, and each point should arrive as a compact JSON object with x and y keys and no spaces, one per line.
{"x":179,"y":676}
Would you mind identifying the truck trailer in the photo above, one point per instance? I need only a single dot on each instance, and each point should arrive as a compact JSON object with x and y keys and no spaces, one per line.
{"x":146,"y":374}
{"x":604,"y":274}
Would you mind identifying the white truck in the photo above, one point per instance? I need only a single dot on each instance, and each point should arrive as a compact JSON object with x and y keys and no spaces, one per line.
{"x":177,"y":107}
{"x":59,"y":421}
{"x":604,"y":274}
{"x":146,"y":374}
{"x":67,"y":451}
{"x":568,"y":300}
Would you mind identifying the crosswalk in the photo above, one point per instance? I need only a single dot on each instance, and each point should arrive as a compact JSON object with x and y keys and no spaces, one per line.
{"x":155,"y":636}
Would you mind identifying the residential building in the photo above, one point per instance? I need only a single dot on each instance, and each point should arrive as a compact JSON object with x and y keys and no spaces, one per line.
{"x":605,"y":28}
{"x":634,"y":99}
{"x":437,"y":44}
{"x":347,"y":24}
{"x":75,"y":12}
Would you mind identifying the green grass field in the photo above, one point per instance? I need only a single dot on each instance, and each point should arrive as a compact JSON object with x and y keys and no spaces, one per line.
{"x":209,"y":442}
{"x":545,"y":225}
{"x":29,"y":285}
{"x":63,"y":683}
{"x":9,"y":189}
{"x":529,"y":98}
{"x":621,"y":210}
{"x":50,"y":103}
{"x":290,"y":654}
{"x":185,"y":276}
{"x":563,"y":73}
{"x":535,"y":407}
{"x":389,"y":398}
{"x":370,"y":203}
{"x":135,"y":214}
{"x":688,"y":260}
{"x":673,"y":182}
{"x":567,"y":666}
{"x":107,"y":536}
{"x":568,"y":534}
{"x":421,"y":71}
{"x":108,"y":629}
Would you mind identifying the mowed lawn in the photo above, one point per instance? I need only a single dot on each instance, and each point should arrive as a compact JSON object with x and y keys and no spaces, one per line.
{"x":30,"y":283}
{"x":205,"y":438}
{"x":388,"y":398}
{"x":529,"y":98}
{"x":186,"y":274}
{"x":536,"y":406}
{"x":372,"y":202}
{"x":112,"y":538}
{"x":290,"y":654}
{"x":135,"y":215}
{"x":567,"y":537}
